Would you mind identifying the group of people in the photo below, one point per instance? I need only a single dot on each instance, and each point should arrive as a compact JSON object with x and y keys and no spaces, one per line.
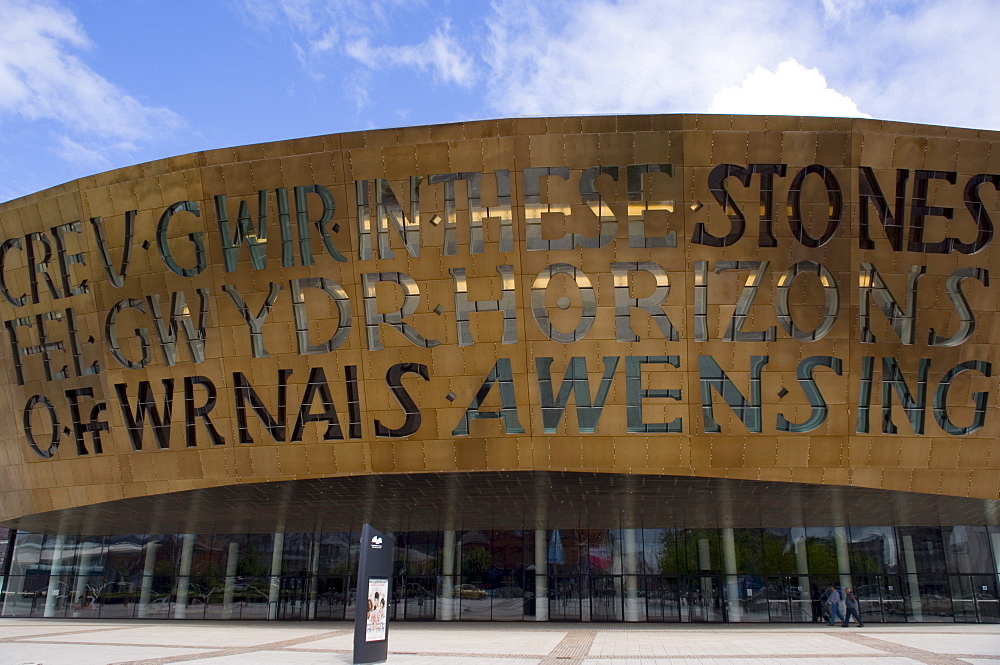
{"x":375,"y":618}
{"x":833,"y":598}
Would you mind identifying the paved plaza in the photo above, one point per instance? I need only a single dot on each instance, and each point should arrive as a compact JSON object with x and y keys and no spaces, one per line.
{"x":55,"y":642}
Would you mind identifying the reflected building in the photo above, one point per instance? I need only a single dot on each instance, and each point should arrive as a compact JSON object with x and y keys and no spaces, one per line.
{"x":673,"y":368}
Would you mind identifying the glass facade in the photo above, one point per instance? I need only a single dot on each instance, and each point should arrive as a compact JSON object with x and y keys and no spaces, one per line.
{"x":675,"y":574}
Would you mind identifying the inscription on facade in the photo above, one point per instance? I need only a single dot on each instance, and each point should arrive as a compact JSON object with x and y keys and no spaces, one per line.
{"x":458,"y":217}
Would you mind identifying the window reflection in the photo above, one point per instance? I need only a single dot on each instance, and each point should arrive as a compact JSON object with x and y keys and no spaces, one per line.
{"x":660,"y":574}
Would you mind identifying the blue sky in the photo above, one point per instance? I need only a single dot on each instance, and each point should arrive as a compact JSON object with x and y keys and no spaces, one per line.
{"x":91,"y":85}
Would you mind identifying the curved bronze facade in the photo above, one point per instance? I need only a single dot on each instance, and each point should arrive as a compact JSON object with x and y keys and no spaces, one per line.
{"x":768,"y":298}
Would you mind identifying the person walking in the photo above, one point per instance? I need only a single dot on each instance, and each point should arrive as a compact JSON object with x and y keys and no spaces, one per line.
{"x":817,"y":604}
{"x":833,"y":600}
{"x":852,"y":609}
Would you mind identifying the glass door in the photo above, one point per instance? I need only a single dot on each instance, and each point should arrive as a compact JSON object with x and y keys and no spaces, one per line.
{"x":781,"y":596}
{"x":565,"y":603}
{"x":294,"y":591}
{"x":984,"y":588}
{"x":870,"y":589}
{"x":702,"y":600}
{"x":418,"y":597}
{"x":963,"y":599}
{"x":934,"y":592}
{"x":890,"y":589}
{"x":662,"y":594}
{"x":606,"y":603}
{"x":801,"y":598}
{"x":331,"y":598}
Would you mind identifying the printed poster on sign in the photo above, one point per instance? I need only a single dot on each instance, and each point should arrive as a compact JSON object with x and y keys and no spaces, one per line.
{"x":378,"y":590}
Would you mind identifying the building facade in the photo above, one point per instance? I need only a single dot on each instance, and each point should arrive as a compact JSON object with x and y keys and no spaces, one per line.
{"x":667,"y":368}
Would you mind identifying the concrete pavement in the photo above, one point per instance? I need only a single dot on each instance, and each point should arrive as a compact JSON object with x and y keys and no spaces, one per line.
{"x":58,"y":642}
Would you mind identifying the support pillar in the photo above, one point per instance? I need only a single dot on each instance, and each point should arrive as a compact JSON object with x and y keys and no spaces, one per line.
{"x":541,"y":576}
{"x":227,"y":594}
{"x":447,"y":601}
{"x":146,"y":588}
{"x":995,"y":537}
{"x":274,"y":590}
{"x":840,"y":539}
{"x":184,"y":576}
{"x":632,"y":600}
{"x":729,"y":568}
{"x":912,"y":582}
{"x":705,"y":583}
{"x":314,"y":581}
{"x":82,"y":574}
{"x":802,"y":568}
{"x":55,"y":578}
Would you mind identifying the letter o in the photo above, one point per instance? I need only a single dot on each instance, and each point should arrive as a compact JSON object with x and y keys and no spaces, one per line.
{"x":835,"y":201}
{"x":541,"y":314}
{"x":53,"y":419}
{"x":830,"y":309}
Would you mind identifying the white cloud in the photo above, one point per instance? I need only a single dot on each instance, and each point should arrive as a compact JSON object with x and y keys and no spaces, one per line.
{"x":835,"y":10}
{"x":924,"y":62}
{"x":789,"y":90}
{"x":896,"y":59}
{"x":440,"y":53}
{"x":316,"y":26}
{"x":633,"y":56}
{"x":322,"y":29}
{"x":41,"y":79}
{"x":91,"y":157}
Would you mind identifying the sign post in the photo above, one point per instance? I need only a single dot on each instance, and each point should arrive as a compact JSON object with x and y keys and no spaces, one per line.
{"x":371,"y":626}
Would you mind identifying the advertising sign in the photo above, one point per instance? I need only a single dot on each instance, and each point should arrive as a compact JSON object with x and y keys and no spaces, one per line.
{"x":375,"y":618}
{"x":371,"y":621}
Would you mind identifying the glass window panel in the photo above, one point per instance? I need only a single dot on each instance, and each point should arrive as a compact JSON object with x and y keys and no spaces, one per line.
{"x":700,"y":551}
{"x":27,"y":554}
{"x":478,"y":574}
{"x":994,"y":533}
{"x":213,"y":598}
{"x":509,"y":549}
{"x":603,"y":551}
{"x":80,"y":576}
{"x":926,"y":546}
{"x":6,"y":545}
{"x":508,"y":587}
{"x":778,"y":551}
{"x":57,"y":553}
{"x":208,"y":571}
{"x":821,"y":553}
{"x":567,"y":551}
{"x":477,"y":563}
{"x":21,"y":596}
{"x":119,"y":583}
{"x":253,"y":598}
{"x":255,"y":554}
{"x":297,"y":553}
{"x":661,"y":552}
{"x":156,"y":583}
{"x":749,"y":551}
{"x":354,"y":540}
{"x":204,"y":555}
{"x":968,"y":549}
{"x":421,"y":552}
{"x":874,"y":550}
{"x":90,"y":552}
